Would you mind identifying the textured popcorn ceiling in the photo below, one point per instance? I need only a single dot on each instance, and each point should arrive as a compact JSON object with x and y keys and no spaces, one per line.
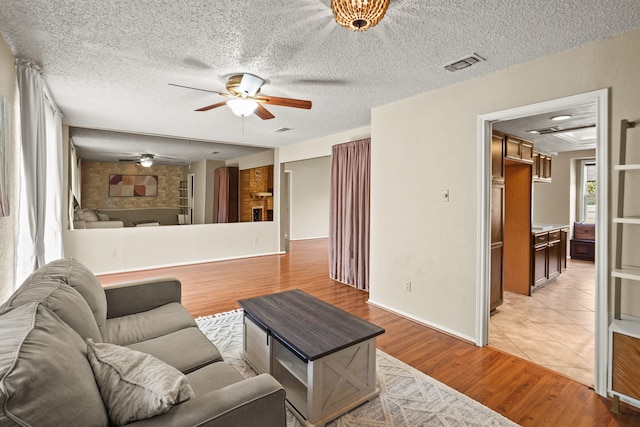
{"x":108,"y":62}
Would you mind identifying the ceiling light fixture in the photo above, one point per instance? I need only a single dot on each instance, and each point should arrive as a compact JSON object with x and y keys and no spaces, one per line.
{"x":146,"y":160}
{"x":359,"y":15}
{"x":560,"y":118}
{"x":242,"y":107}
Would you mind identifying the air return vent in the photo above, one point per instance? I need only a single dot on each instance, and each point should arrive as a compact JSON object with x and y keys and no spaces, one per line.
{"x":464,"y":62}
{"x":282,"y":130}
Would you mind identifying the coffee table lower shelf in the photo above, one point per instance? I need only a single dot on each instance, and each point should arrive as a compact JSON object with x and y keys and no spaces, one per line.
{"x":319,"y":390}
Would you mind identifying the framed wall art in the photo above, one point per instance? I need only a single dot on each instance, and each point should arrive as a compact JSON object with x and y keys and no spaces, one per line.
{"x":133,"y":185}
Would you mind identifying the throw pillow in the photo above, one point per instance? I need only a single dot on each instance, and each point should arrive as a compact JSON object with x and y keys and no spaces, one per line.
{"x":90,"y":215}
{"x":45,"y":377}
{"x":103,"y":217}
{"x":134,"y":385}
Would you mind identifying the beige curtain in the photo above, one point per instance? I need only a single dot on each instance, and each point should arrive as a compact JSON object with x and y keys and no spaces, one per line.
{"x":349,"y":217}
{"x":221,"y":195}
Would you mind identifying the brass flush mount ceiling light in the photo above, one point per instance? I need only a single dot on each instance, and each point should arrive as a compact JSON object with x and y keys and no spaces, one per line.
{"x":359,"y":15}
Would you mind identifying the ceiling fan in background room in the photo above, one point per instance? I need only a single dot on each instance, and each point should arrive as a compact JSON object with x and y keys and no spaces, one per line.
{"x":243,"y":90}
{"x":144,"y":159}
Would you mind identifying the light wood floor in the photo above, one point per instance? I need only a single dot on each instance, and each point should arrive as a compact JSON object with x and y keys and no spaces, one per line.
{"x":555,"y":326}
{"x":526,"y":393}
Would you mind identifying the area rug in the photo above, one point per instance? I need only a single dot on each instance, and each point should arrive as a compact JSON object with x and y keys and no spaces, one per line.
{"x":407,"y":397}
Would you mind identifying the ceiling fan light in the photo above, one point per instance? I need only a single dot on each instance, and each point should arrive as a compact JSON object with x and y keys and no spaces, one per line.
{"x":146,"y":161}
{"x":359,"y":15}
{"x":242,"y":107}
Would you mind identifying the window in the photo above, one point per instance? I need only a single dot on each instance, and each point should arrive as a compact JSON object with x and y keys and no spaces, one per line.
{"x":588,"y":191}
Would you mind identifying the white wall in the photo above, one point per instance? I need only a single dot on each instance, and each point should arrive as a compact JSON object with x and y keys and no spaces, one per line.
{"x":554,"y":202}
{"x":8,"y":225}
{"x":257,"y":160}
{"x":428,"y":143}
{"x":320,"y":147}
{"x":310,"y":189}
{"x":136,"y":248}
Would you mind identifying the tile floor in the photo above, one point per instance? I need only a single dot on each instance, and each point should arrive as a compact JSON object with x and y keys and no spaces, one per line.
{"x":555,"y":326}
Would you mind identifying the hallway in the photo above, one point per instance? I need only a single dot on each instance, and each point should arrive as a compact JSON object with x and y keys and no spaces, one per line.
{"x":555,"y":327}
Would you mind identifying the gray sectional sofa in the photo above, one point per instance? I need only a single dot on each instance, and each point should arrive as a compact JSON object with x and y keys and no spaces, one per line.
{"x":62,"y":332}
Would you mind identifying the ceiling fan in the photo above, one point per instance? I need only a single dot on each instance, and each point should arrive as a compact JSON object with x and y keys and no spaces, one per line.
{"x":243,"y":90}
{"x":144,"y":159}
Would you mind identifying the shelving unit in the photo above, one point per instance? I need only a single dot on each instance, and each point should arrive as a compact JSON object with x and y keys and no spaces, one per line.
{"x":624,"y":330}
{"x":184,"y":203}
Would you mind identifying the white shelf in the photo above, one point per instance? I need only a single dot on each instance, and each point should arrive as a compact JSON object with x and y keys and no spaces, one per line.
{"x":630,"y":273}
{"x":291,"y":363}
{"x":627,"y":220}
{"x":627,"y":167}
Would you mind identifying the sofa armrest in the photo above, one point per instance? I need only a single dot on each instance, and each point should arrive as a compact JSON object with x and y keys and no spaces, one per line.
{"x":255,"y":401}
{"x":141,"y":295}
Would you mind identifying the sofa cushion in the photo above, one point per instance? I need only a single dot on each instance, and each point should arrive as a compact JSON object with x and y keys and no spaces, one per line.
{"x":213,"y":377}
{"x":135,"y":385}
{"x":45,"y":377}
{"x":63,"y":300}
{"x":90,"y":215}
{"x":79,"y":277}
{"x":149,"y":324}
{"x":103,"y":217}
{"x":170,"y":348}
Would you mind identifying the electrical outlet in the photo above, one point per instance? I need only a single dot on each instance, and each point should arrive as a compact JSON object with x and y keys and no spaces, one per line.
{"x":256,"y":241}
{"x":444,"y":196}
{"x":114,"y":253}
{"x":407,"y":286}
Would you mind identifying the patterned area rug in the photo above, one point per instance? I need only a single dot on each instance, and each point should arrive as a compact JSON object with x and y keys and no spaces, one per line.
{"x":407,"y":397}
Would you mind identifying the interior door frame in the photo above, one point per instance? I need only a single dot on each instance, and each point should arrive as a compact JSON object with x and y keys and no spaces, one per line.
{"x":601,"y":99}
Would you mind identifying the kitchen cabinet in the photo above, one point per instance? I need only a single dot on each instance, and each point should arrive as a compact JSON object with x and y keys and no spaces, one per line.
{"x":547,"y":254}
{"x":497,"y":220}
{"x":497,"y":229}
{"x":518,"y":149}
{"x":564,"y":238}
{"x":541,"y":167}
{"x":497,"y":158}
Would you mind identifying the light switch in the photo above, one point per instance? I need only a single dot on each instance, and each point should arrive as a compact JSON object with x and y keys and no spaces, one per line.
{"x":444,"y":196}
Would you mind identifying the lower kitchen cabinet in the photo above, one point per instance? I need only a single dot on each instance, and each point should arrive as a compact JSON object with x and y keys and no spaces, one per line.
{"x":548,"y":256}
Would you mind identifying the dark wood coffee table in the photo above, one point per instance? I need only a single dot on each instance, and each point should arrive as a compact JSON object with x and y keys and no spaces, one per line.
{"x":323,"y":356}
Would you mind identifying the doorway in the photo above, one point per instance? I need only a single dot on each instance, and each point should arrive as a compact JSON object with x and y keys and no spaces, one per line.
{"x":600,"y":100}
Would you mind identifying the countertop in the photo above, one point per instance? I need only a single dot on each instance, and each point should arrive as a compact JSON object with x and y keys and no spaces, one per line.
{"x":540,"y":228}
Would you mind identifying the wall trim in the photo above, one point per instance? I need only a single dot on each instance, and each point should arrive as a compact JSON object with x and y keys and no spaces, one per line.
{"x":423,"y":322}
{"x":601,"y":99}
{"x":180,"y":264}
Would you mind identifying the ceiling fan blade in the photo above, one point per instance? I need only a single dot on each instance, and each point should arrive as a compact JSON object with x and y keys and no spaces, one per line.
{"x":285,"y":102}
{"x":196,"y":88}
{"x":263,"y":113}
{"x":212,"y":106}
{"x":250,"y":84}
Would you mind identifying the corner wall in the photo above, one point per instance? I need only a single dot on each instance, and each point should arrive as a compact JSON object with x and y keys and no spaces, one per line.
{"x":428,"y":143}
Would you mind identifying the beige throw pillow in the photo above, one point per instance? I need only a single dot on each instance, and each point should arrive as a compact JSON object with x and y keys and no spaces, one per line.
{"x":135,"y":385}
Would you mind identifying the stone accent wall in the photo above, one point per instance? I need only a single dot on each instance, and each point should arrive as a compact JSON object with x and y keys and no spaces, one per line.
{"x":252,"y":181}
{"x":95,"y":186}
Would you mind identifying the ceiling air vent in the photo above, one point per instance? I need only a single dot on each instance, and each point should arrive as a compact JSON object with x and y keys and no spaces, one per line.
{"x":282,"y":130}
{"x":464,"y":62}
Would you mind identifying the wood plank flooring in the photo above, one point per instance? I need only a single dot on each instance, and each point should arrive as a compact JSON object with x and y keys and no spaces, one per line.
{"x":526,"y":393}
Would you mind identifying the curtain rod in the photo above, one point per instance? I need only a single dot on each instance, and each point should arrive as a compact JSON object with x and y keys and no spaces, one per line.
{"x":47,"y":92}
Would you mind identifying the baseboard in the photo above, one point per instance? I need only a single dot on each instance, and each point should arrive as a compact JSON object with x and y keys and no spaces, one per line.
{"x":308,"y":238}
{"x":179,"y":264}
{"x":439,"y":328}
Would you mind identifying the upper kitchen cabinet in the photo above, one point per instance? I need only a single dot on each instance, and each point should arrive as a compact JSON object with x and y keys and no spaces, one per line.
{"x":497,"y":158}
{"x":541,"y":167}
{"x":518,"y":149}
